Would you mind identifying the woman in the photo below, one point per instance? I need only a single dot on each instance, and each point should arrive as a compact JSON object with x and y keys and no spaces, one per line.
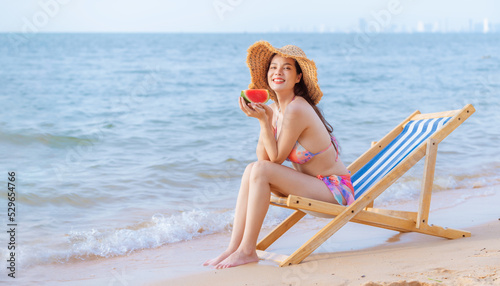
{"x":292,"y":128}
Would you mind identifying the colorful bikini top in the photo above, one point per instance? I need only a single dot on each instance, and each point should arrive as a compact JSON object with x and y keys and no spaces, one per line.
{"x":301,"y":155}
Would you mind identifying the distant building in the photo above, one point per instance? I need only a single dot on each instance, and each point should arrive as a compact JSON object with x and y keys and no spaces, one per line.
{"x":486,"y":26}
{"x":420,"y":27}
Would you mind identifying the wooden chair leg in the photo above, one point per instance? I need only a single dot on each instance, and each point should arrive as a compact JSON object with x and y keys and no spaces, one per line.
{"x":283,"y":227}
{"x":331,"y":228}
{"x":426,"y":192}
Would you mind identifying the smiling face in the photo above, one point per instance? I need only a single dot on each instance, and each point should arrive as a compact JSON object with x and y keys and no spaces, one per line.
{"x":282,"y":74}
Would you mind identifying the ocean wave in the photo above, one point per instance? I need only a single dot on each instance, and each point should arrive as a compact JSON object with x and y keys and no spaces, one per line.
{"x":54,"y":141}
{"x":111,"y":242}
{"x":157,"y":231}
{"x":84,"y":199}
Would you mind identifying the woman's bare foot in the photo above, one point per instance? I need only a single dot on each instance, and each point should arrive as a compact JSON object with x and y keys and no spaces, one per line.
{"x":218,"y":259}
{"x":238,"y":258}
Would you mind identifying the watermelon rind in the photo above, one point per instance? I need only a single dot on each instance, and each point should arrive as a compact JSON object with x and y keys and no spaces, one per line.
{"x":248,"y":100}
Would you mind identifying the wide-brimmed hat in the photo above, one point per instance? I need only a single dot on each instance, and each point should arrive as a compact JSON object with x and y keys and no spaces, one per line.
{"x":259,"y":55}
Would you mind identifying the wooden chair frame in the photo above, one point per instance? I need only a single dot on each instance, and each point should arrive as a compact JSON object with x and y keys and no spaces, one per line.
{"x":362,"y":211}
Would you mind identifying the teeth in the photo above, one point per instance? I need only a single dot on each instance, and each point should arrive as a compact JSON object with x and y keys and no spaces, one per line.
{"x":280,"y":80}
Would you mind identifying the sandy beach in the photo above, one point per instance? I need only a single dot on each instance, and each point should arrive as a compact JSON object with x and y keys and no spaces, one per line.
{"x":373,"y":257}
{"x":424,"y":261}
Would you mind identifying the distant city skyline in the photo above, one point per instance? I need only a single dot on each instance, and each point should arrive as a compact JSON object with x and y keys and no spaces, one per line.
{"x":484,"y":26}
{"x":362,"y":16}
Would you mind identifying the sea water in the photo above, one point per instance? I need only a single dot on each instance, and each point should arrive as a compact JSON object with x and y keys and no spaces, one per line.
{"x":123,"y":142}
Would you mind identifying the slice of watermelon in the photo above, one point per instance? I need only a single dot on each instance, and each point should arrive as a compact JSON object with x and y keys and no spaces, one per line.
{"x":255,"y":95}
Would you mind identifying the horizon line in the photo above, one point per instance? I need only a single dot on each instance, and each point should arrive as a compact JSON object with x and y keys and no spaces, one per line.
{"x":244,"y":32}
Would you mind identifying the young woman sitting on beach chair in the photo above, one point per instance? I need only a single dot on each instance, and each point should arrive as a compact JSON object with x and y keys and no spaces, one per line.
{"x":292,"y":128}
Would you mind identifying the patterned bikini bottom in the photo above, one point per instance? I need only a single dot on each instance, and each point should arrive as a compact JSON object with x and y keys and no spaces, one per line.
{"x":341,"y":188}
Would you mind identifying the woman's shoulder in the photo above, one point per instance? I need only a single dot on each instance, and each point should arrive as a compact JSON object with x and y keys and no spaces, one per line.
{"x":299,"y":106}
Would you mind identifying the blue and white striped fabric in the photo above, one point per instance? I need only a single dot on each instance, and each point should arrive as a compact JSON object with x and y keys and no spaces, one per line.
{"x":414,"y":133}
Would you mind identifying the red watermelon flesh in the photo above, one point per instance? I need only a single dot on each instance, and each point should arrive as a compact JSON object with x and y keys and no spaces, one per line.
{"x":255,"y":95}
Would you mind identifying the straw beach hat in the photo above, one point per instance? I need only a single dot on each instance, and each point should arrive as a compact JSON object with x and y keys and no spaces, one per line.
{"x":259,"y":55}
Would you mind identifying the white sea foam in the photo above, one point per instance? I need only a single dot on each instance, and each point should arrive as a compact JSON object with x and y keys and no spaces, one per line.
{"x":159,"y":230}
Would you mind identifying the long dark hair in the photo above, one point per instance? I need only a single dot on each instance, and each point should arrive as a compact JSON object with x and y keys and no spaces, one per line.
{"x":301,"y":90}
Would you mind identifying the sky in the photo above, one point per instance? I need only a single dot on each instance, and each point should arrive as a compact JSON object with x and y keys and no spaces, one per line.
{"x":244,"y":15}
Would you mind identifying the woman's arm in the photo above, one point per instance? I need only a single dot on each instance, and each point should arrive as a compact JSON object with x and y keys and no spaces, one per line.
{"x":292,"y":126}
{"x":261,"y":151}
{"x":294,"y":123}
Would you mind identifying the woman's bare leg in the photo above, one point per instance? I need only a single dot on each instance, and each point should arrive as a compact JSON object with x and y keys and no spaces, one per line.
{"x":258,"y":204}
{"x":283,"y":179}
{"x":239,"y":219}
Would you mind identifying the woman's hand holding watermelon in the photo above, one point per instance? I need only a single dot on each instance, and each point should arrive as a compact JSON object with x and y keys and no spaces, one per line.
{"x":269,"y":110}
{"x":256,"y":110}
{"x":252,"y":102}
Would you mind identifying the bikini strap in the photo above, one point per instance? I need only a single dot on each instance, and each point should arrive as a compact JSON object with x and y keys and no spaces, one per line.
{"x":279,"y":108}
{"x":336,"y":145}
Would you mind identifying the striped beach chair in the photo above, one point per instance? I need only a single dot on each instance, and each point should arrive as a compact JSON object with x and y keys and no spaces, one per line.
{"x":373,"y":172}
